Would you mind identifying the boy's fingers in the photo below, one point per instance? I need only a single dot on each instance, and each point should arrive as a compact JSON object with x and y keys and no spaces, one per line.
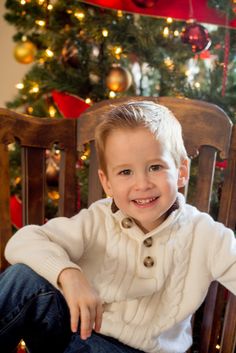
{"x":85,"y":324}
{"x":74,"y":319}
{"x":98,"y":319}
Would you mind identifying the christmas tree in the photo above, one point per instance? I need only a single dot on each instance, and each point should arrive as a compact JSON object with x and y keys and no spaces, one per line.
{"x":83,"y":54}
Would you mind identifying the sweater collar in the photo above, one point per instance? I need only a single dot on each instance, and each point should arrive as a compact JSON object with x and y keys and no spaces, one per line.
{"x":174,"y":213}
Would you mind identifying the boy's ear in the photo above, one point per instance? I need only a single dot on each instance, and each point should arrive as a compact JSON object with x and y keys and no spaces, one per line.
{"x":183,"y":173}
{"x":105,"y":182}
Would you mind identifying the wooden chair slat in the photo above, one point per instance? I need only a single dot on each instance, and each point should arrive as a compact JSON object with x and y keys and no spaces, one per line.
{"x":211,"y":322}
{"x":227,"y":209}
{"x":5,"y":219}
{"x":67,"y":183}
{"x":206,"y":167}
{"x":33,"y":185}
{"x":228,"y":341}
{"x":94,"y":187}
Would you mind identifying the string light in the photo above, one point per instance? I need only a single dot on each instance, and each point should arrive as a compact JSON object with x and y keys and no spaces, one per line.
{"x":49,"y":53}
{"x":197,"y":84}
{"x":119,"y":13}
{"x":34,"y":89}
{"x":166,"y":32}
{"x":17,"y":181}
{"x":176,"y":33}
{"x":30,"y":110}
{"x":169,"y":63}
{"x":54,"y":195}
{"x":20,"y":85}
{"x":112,"y":94}
{"x":79,"y":15}
{"x":117,"y":51}
{"x":52,"y":111}
{"x":83,"y":157}
{"x":105,"y":32}
{"x":22,"y":2}
{"x":88,"y":101}
{"x":41,"y":2}
{"x":217,"y":346}
{"x":169,"y":20}
{"x":40,"y":23}
{"x":50,"y":7}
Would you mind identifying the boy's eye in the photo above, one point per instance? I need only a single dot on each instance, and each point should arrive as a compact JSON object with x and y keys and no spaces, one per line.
{"x":155,"y":167}
{"x":125,"y":172}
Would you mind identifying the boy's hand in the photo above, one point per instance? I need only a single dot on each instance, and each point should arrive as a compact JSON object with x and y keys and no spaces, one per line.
{"x":83,"y":302}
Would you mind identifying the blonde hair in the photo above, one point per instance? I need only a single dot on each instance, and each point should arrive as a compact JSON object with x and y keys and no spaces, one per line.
{"x":155,"y":117}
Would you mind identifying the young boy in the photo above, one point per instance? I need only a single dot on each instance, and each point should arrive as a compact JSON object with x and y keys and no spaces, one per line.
{"x":133,"y":267}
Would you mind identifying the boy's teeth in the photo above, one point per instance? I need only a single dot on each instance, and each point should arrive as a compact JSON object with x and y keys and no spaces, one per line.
{"x":143,"y":202}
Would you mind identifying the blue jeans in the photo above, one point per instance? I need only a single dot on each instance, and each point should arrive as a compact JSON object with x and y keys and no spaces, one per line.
{"x":32,"y":309}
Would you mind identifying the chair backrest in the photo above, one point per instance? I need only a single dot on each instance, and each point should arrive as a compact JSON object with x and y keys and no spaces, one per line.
{"x":207,"y":131}
{"x":35,"y":136}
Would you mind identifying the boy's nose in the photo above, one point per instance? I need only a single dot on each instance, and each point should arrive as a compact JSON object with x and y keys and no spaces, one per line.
{"x":142,"y":182}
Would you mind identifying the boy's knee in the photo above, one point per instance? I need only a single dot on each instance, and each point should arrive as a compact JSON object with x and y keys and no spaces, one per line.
{"x":23,"y":276}
{"x":20,"y":271}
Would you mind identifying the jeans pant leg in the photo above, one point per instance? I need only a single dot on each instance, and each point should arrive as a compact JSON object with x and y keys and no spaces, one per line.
{"x":98,"y":343}
{"x":32,"y":309}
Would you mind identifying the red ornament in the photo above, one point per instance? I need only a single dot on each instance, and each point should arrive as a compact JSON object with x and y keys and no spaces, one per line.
{"x":69,"y":106}
{"x":145,"y":4}
{"x":197,"y":36}
{"x":222,"y":164}
{"x":16,"y":211}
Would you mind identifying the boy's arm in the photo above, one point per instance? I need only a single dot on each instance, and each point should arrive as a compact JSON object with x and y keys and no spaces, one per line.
{"x":56,"y":245}
{"x":223,"y":257}
{"x":83,"y":302}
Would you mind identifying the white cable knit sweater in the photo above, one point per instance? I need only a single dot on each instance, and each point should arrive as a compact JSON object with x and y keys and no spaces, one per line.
{"x":145,"y":307}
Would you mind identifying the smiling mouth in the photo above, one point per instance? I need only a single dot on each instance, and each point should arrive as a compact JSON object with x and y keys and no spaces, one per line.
{"x":144,"y":202}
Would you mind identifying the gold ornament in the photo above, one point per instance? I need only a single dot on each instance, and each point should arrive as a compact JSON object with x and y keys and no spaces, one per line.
{"x":24,"y":52}
{"x":118,"y":79}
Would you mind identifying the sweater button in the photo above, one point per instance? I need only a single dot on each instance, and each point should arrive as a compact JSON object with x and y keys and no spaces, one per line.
{"x":148,"y":261}
{"x":127,"y":223}
{"x":148,"y":242}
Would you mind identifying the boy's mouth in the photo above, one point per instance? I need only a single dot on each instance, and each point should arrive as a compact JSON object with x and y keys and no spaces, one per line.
{"x":143,"y":202}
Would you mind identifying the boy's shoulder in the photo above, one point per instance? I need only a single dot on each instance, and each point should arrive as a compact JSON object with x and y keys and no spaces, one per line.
{"x":203,"y":221}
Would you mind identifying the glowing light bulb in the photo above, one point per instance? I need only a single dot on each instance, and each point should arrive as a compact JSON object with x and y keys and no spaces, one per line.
{"x":119,"y":13}
{"x":88,"y":101}
{"x":105,"y":32}
{"x":112,"y":94}
{"x":166,"y":32}
{"x":49,"y":53}
{"x":79,"y":15}
{"x":34,"y":89}
{"x":40,"y":23}
{"x":19,"y":85}
{"x":52,"y":111}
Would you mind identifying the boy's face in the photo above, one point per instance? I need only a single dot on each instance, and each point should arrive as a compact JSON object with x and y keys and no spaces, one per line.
{"x":141,"y":176}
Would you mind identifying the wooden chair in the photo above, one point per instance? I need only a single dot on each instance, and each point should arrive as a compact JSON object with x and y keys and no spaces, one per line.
{"x":207,"y":131}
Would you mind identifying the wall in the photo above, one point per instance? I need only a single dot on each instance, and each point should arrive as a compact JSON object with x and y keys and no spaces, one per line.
{"x":11,"y":72}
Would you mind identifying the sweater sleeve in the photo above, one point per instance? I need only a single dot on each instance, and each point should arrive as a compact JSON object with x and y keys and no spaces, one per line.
{"x":223,"y":257}
{"x":52,"y":247}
